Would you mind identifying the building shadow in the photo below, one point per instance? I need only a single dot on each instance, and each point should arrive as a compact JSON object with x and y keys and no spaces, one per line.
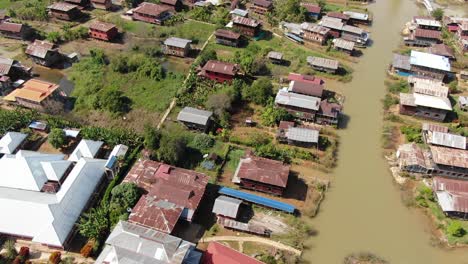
{"x":297,"y":188}
{"x":343,"y":121}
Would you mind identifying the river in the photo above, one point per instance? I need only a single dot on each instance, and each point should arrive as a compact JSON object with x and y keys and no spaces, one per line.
{"x":363,"y":210}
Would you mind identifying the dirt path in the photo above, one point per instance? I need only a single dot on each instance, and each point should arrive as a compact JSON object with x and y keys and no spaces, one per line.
{"x":253,"y":239}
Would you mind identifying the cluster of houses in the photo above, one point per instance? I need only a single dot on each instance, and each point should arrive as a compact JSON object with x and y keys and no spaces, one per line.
{"x":445,"y":159}
{"x":336,"y":26}
{"x":458,"y":26}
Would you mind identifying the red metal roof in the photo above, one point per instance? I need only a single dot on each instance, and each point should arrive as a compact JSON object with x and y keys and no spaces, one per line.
{"x":227,"y":34}
{"x":217,"y":253}
{"x":264,"y":170}
{"x":151,"y":9}
{"x":312,"y":8}
{"x":285,"y":124}
{"x":330,"y":109}
{"x":245,"y":21}
{"x":101,"y":26}
{"x":11,"y":27}
{"x":305,"y":78}
{"x":221,"y":67}
{"x":427,"y":33}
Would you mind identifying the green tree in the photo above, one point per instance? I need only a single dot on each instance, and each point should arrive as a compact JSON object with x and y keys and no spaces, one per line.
{"x":272,"y":115}
{"x":54,"y":36}
{"x":57,"y":138}
{"x":290,"y":10}
{"x":202,"y":142}
{"x":456,"y":229}
{"x":438,"y":14}
{"x":322,"y":3}
{"x":172,"y":149}
{"x":94,"y":224}
{"x":125,"y":195}
{"x":151,"y":137}
{"x":260,"y":91}
{"x":113,"y":101}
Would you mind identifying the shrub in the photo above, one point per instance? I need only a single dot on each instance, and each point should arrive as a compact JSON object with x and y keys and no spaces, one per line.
{"x":412,"y":134}
{"x":55,"y":257}
{"x":272,"y":152}
{"x":172,"y":149}
{"x":455,"y":229}
{"x":10,"y":249}
{"x":114,"y":101}
{"x":260,"y":91}
{"x":57,"y":138}
{"x":272,"y":115}
{"x":389,"y":100}
{"x":94,"y":224}
{"x":202,"y":142}
{"x":151,"y":137}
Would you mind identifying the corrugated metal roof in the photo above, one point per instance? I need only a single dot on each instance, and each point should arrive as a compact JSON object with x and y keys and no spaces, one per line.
{"x":5,"y":65}
{"x":429,"y":61}
{"x":450,"y":157}
{"x":101,"y":26}
{"x":275,"y":55}
{"x":432,"y":101}
{"x":353,"y":29}
{"x":226,"y":206}
{"x":447,"y":140}
{"x":332,"y":23}
{"x":434,"y":127}
{"x":452,"y":194}
{"x":430,"y":87}
{"x":62,"y":6}
{"x":357,"y":15}
{"x":401,"y":62}
{"x":11,"y":141}
{"x":250,"y":22}
{"x":427,"y":22}
{"x":303,"y":134}
{"x":217,"y":253}
{"x":343,"y":44}
{"x":322,"y":62}
{"x":86,"y":149}
{"x":257,"y":199}
{"x":177,"y":42}
{"x":193,"y":115}
{"x":284,"y":97}
{"x":263,"y":170}
{"x":151,"y":9}
{"x":306,"y":88}
{"x":221,"y":67}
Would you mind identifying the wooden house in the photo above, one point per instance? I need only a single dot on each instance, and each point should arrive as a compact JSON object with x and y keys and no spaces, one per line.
{"x":315,"y":33}
{"x":102,"y":4}
{"x":299,"y":105}
{"x":13,"y":30}
{"x":43,"y":53}
{"x":329,"y":113}
{"x":425,"y":106}
{"x":177,"y":47}
{"x":103,"y":31}
{"x":227,"y":37}
{"x":423,"y":38}
{"x":64,"y":11}
{"x":261,"y":6}
{"x":427,"y":22}
{"x":313,"y":10}
{"x":462,"y":35}
{"x":334,"y":24}
{"x":322,"y":64}
{"x":355,"y":34}
{"x":358,"y":18}
{"x":151,"y":13}
{"x":452,"y":196}
{"x":275,"y":57}
{"x":344,"y":46}
{"x":195,"y":118}
{"x":443,"y":50}
{"x":175,"y":5}
{"x":306,"y":88}
{"x":219,"y":71}
{"x":429,"y":65}
{"x":261,"y":174}
{"x":246,"y":26}
{"x":35,"y":94}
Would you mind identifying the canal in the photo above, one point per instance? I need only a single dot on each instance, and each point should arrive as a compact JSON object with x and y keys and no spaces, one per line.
{"x":363,"y":210}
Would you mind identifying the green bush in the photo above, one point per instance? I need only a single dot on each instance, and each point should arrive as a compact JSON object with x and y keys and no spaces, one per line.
{"x":57,"y":138}
{"x":94,"y":224}
{"x":202,"y":142}
{"x":260,"y":92}
{"x":124,"y":196}
{"x":455,"y":229}
{"x":412,"y":134}
{"x":272,"y":115}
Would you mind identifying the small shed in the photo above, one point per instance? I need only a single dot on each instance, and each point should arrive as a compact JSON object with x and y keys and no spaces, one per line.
{"x":72,"y":133}
{"x":195,"y":118}
{"x":177,"y":46}
{"x":322,"y":64}
{"x":275,"y":57}
{"x":227,"y":206}
{"x":463,"y":102}
{"x":344,"y":45}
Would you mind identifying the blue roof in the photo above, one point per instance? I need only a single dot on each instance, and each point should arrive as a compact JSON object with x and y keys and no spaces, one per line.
{"x":294,"y":37}
{"x":257,"y":199}
{"x":111,"y":162}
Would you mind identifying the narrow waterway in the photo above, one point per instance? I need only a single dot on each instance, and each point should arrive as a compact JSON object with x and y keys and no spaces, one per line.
{"x":363,"y":210}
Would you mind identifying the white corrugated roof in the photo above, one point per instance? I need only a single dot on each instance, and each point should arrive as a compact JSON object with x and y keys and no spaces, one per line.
{"x":429,"y":60}
{"x":298,"y":100}
{"x":303,"y":134}
{"x":85,"y":149}
{"x":445,"y":201}
{"x":432,"y":101}
{"x":447,"y":139}
{"x":226,"y":206}
{"x":11,"y":141}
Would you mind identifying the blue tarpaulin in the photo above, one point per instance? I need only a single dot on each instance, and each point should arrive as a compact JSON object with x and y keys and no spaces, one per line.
{"x":257,"y":199}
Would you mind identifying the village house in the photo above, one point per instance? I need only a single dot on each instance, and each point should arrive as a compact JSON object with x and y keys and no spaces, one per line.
{"x":436,"y":160}
{"x":322,"y":64}
{"x":261,"y":174}
{"x":301,"y":106}
{"x":171,"y":194}
{"x":334,"y":24}
{"x":218,"y":253}
{"x":11,"y":142}
{"x":305,"y":78}
{"x":355,"y":34}
{"x":340,"y":16}
{"x":151,"y":13}
{"x":80,"y":3}
{"x":427,"y":22}
{"x":103,"y":31}
{"x":329,"y":113}
{"x":423,"y":38}
{"x":43,"y":53}
{"x":462,"y":35}
{"x":10,"y":71}
{"x":422,"y":64}
{"x":442,"y":50}
{"x":425,"y":106}
{"x":463,"y":102}
{"x":219,"y":71}
{"x":344,"y":46}
{"x":175,"y":5}
{"x":102,"y":4}
{"x":133,"y":243}
{"x":195,"y":118}
{"x":452,"y":23}
{"x":315,"y":33}
{"x":13,"y":30}
{"x":306,"y":88}
{"x":177,"y":47}
{"x":35,"y":94}
{"x":313,"y":10}
{"x":444,"y":139}
{"x":227,"y":37}
{"x":358,"y":18}
{"x":49,"y":187}
{"x":452,"y":196}
{"x":246,"y":26}
{"x":275,"y":57}
{"x":64,"y":11}
{"x":298,"y":136}
{"x":261,"y":6}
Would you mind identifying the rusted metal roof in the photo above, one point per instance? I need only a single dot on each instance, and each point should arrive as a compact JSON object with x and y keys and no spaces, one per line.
{"x":450,"y":157}
{"x":169,"y":2}
{"x":330,"y":109}
{"x":452,"y":194}
{"x":245,"y":21}
{"x":322,"y":62}
{"x":151,"y":9}
{"x":301,"y":87}
{"x":224,"y":33}
{"x":343,"y":44}
{"x":446,"y":139}
{"x":429,"y":87}
{"x":434,"y":127}
{"x":221,"y":67}
{"x":39,"y":48}
{"x":427,"y":33}
{"x":442,"y":50}
{"x":11,"y":27}
{"x":217,"y":253}
{"x":263,"y":3}
{"x":314,"y":28}
{"x":62,"y":6}
{"x":101,"y":26}
{"x":338,"y":15}
{"x":5,"y":66}
{"x":263,"y":170}
{"x":412,"y":155}
{"x":312,"y":8}
{"x":401,"y":62}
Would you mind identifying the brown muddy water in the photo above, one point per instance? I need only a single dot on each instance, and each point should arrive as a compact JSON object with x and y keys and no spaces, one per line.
{"x":363,"y":210}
